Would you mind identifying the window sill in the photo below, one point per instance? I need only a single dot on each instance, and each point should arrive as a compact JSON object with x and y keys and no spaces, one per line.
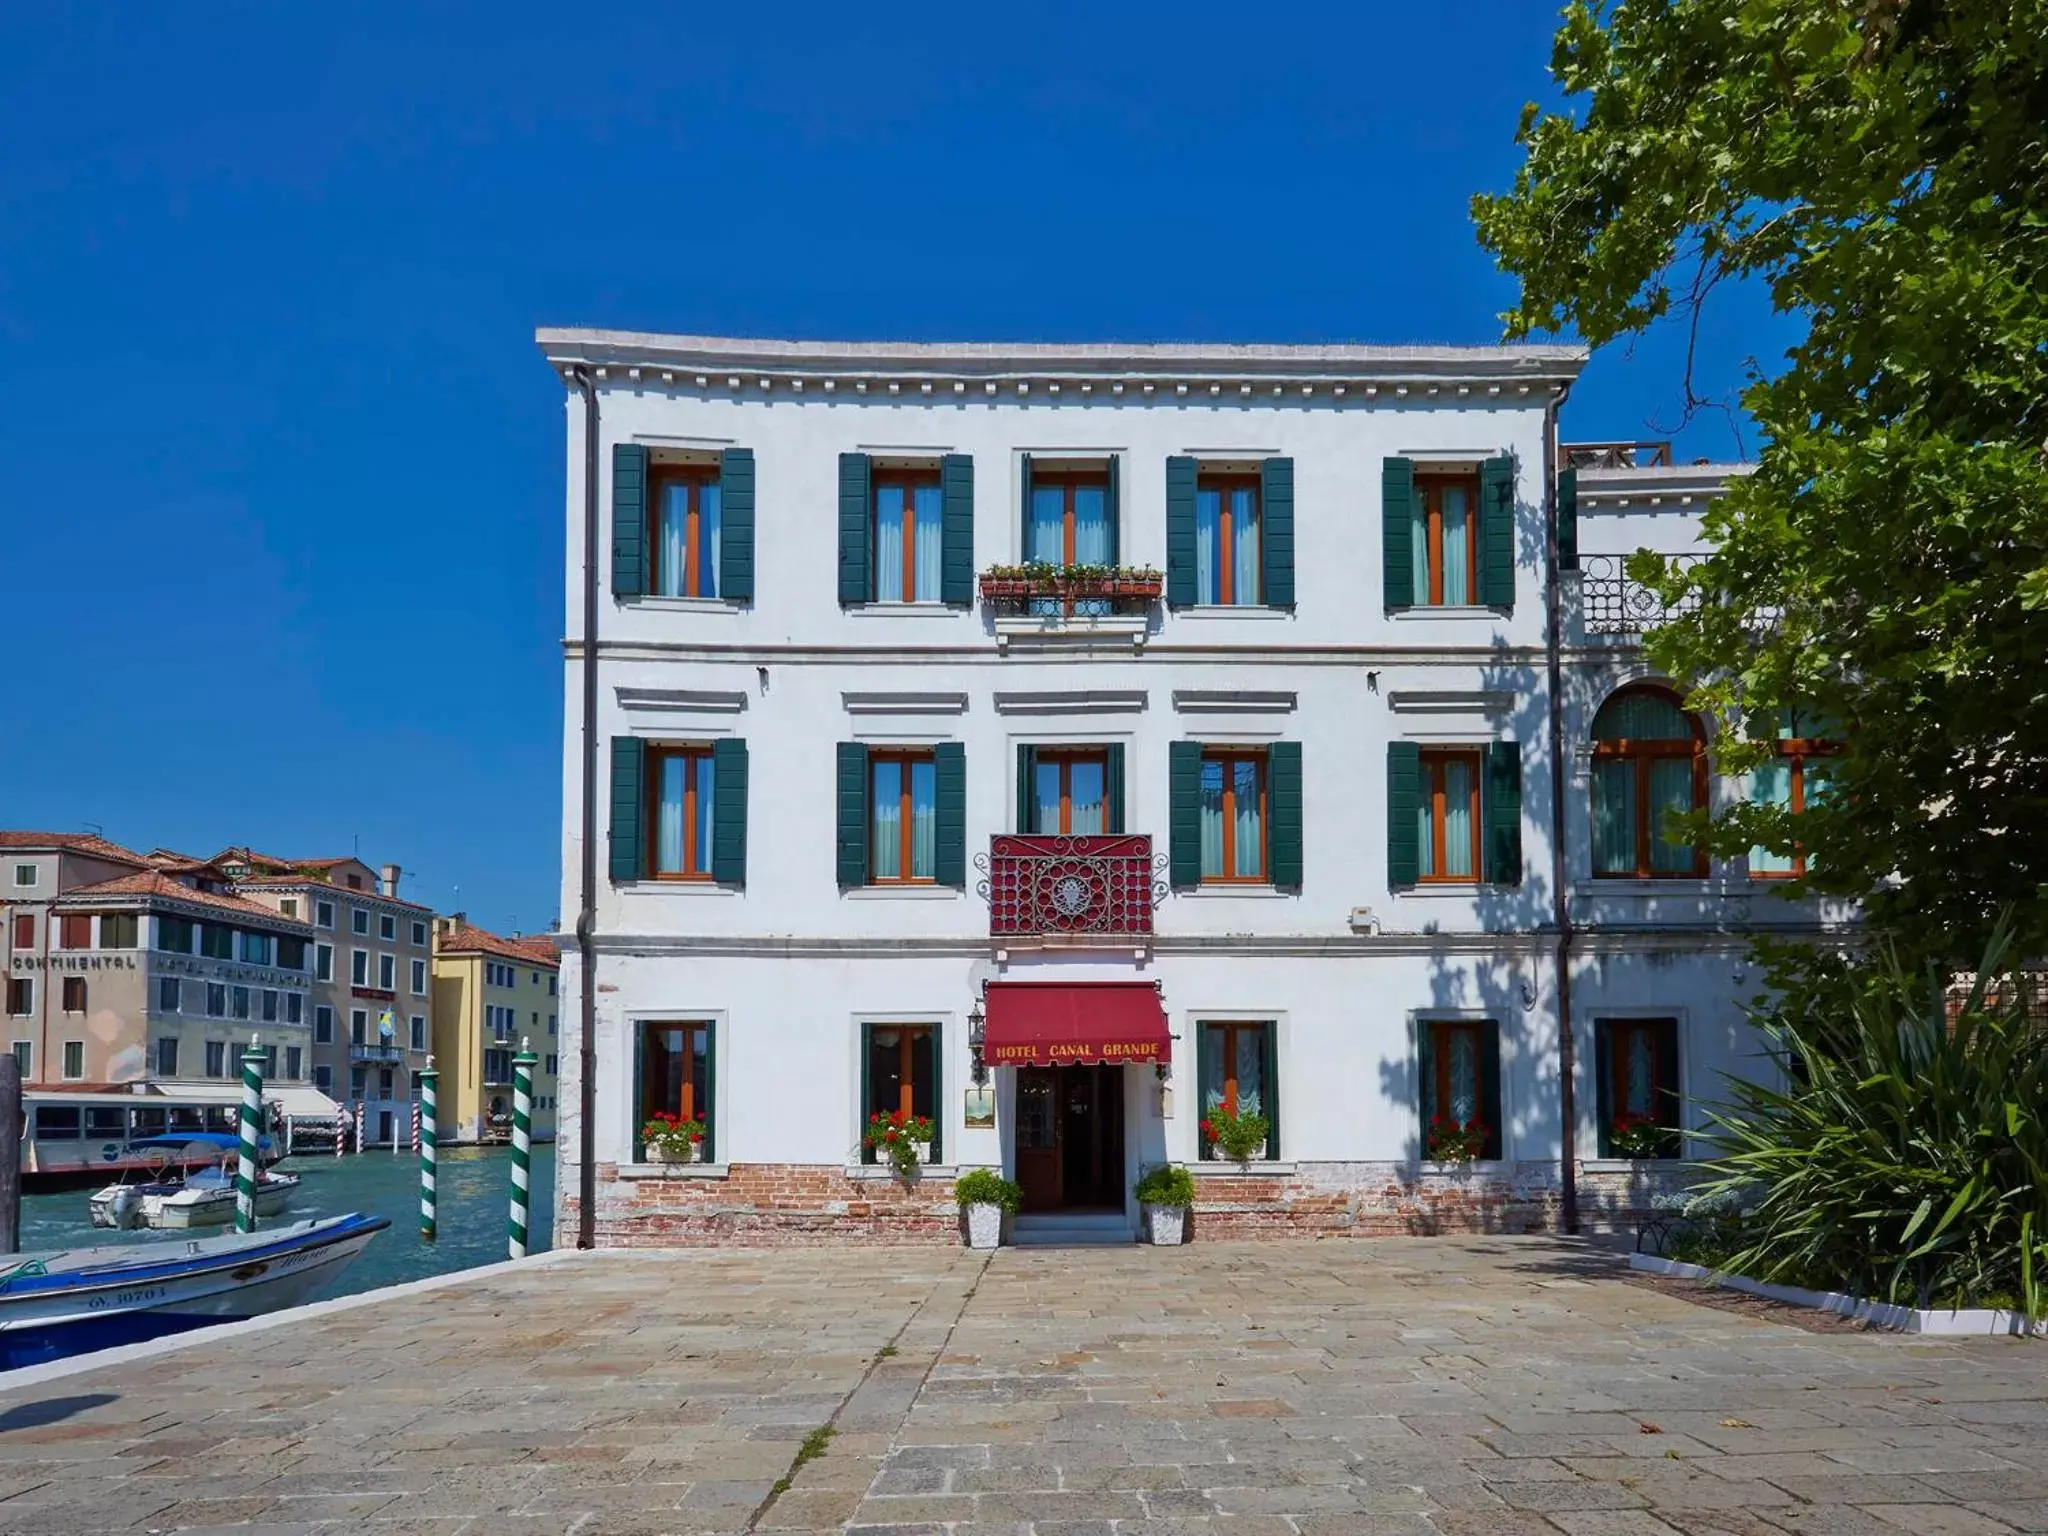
{"x":1628,"y":1164}
{"x":869,"y":1173}
{"x":1679,"y":885}
{"x":1251,"y":1170}
{"x":902,"y":893}
{"x":681,"y":604}
{"x":1232,"y":611}
{"x":1465,"y":889}
{"x":1423,"y":612}
{"x":1250,"y":890}
{"x":680,"y":887}
{"x":673,"y":1170}
{"x":934,"y":610}
{"x":1486,"y":1165}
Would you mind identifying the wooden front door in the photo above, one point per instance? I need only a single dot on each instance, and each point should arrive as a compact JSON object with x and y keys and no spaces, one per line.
{"x":1070,"y":1137}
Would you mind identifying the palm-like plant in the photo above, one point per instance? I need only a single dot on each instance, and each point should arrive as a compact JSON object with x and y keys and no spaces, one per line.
{"x":1904,"y":1156}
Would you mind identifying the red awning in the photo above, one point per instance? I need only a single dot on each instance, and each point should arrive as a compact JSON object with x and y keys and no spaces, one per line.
{"x":1047,"y":1024}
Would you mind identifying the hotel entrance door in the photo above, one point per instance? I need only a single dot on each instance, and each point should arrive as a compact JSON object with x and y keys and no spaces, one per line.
{"x":1070,"y":1138}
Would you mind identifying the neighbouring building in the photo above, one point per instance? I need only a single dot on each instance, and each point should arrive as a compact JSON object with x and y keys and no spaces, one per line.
{"x":1072,"y":743}
{"x":492,"y":995}
{"x":370,"y":1011}
{"x":126,"y":969}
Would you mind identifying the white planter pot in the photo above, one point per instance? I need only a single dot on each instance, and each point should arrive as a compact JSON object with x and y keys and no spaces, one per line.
{"x":1166,"y":1226}
{"x":984,"y":1226}
{"x":660,"y":1154}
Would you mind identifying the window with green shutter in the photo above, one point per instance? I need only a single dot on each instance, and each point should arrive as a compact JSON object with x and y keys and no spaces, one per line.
{"x":1458,"y":1073}
{"x":1503,"y":813}
{"x":729,"y":812}
{"x":902,"y":1074}
{"x":1397,"y":533}
{"x":674,"y":1072}
{"x":1497,"y":533}
{"x":1568,"y":520}
{"x":1070,"y":791}
{"x":1237,"y":1070}
{"x":629,"y":520}
{"x":1404,"y":804}
{"x":1636,"y":1070}
{"x":855,"y":573}
{"x":736,"y":536}
{"x":627,"y":848}
{"x":1184,"y":814}
{"x":852,"y":803}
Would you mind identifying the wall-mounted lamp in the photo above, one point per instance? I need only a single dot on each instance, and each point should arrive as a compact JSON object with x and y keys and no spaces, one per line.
{"x":977,"y":1037}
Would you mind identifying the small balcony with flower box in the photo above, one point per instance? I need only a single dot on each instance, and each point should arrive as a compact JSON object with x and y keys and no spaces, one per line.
{"x":1041,"y":601}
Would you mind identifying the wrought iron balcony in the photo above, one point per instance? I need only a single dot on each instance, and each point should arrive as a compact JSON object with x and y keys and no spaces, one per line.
{"x":1054,"y":887}
{"x":380,"y":1052}
{"x":1612,"y":602}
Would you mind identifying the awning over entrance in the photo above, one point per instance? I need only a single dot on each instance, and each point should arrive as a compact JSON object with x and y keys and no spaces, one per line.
{"x":1049,"y":1024}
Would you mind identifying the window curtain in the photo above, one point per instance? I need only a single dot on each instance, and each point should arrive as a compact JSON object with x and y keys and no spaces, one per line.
{"x":1425,"y":828}
{"x":1419,"y":550}
{"x":1639,"y":1079}
{"x":1046,"y":791}
{"x":1771,"y":784}
{"x":709,"y":543}
{"x":1212,"y":817}
{"x":668,"y":833}
{"x":1244,"y":533}
{"x":1084,"y":796}
{"x":1463,"y":1071}
{"x":1458,"y":819}
{"x":1091,"y":525}
{"x":701,"y":768}
{"x":1045,"y":539}
{"x":1208,"y":544}
{"x":1211,"y":1067}
{"x":1251,"y":1098}
{"x":672,"y":530}
{"x":1457,"y":520}
{"x":924,"y":820}
{"x":886,"y":846}
{"x":1614,"y":817}
{"x":889,"y":544}
{"x":1671,"y":784}
{"x":1250,"y":845}
{"x":930,"y":533}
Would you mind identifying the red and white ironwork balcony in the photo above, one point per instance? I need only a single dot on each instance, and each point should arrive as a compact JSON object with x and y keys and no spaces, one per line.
{"x":1077,"y":889}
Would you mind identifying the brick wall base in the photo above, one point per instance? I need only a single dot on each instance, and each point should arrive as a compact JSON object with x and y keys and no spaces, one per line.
{"x":795,"y":1205}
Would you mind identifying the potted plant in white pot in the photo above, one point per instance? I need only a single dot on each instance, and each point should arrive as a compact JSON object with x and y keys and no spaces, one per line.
{"x":986,"y":1199}
{"x":1164,"y":1194}
{"x":672,"y":1139}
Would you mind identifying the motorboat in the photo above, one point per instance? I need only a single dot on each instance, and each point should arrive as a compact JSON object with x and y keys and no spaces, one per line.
{"x":174,"y":1202}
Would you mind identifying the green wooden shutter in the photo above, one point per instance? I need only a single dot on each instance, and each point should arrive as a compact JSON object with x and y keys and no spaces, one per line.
{"x":1184,"y":813}
{"x":1425,"y":1083}
{"x":938,"y":1093}
{"x":1024,"y":518}
{"x":1205,"y":1084}
{"x":736,"y":530}
{"x":949,"y":866}
{"x":1602,"y":1095}
{"x":629,"y":520}
{"x":853,"y":814}
{"x":729,"y":812}
{"x":1497,"y":533}
{"x":1404,"y":803}
{"x":1181,"y":591}
{"x":1027,"y":789}
{"x":628,"y":845}
{"x":856,"y":579}
{"x":956,"y":530}
{"x":1501,"y":812}
{"x":1269,"y":1069}
{"x":709,"y":1113}
{"x":1568,"y":520}
{"x":1283,"y":802}
{"x":1111,"y":507}
{"x":1489,"y":1086}
{"x":639,"y":1110}
{"x":867,"y":1092}
{"x":1113,"y":789}
{"x":1276,"y":523}
{"x":1397,"y":532}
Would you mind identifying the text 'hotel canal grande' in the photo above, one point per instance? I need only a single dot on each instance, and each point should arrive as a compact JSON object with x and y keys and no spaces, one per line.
{"x":1080,"y":746}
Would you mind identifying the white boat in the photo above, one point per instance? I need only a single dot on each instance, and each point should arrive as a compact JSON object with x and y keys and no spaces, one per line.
{"x":63,"y":1303}
{"x":202,"y":1199}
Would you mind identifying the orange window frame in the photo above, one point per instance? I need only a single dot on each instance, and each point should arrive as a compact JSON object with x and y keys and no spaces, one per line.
{"x":1226,"y":532}
{"x":651,"y":1094}
{"x":1434,"y":778}
{"x":905,"y":839}
{"x":1441,"y":1033}
{"x":910,"y":482}
{"x":1066,"y":757}
{"x":1797,"y":752}
{"x":656,"y":757}
{"x":1231,"y":875}
{"x":693,"y":478}
{"x":1230,"y":1033}
{"x":1067,"y":482}
{"x":1640,"y":755}
{"x":1430,"y":489}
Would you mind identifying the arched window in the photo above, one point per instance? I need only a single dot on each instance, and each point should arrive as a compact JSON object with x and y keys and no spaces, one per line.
{"x":1649,"y":760}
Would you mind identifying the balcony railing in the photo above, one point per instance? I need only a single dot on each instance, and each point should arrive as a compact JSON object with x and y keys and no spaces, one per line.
{"x":1639,"y":454}
{"x":1054,"y":887}
{"x":375,"y":1053}
{"x":1083,"y":590}
{"x":1612,"y":602}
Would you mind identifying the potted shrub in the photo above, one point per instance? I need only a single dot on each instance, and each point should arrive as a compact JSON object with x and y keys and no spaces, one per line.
{"x":986,"y":1198}
{"x":1456,"y":1141}
{"x":1237,"y":1135}
{"x":672,"y":1139}
{"x":904,"y":1139}
{"x":1164,"y":1194}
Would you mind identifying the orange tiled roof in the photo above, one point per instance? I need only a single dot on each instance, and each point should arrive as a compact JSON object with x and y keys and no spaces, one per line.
{"x":251,"y":856}
{"x":294,"y":882}
{"x":156,"y":883}
{"x":72,"y":842}
{"x":466,"y":939}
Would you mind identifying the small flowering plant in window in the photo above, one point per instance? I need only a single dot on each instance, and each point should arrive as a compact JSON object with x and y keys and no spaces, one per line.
{"x":902,"y":1138}
{"x":1640,"y":1136}
{"x":1456,"y":1141}
{"x":672,"y":1139}
{"x":1237,"y":1134}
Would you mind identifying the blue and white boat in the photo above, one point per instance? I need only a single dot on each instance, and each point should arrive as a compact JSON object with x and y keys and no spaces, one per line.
{"x":53,"y":1305}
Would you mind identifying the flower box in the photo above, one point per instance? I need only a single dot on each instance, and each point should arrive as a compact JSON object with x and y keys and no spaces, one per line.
{"x":689,"y":1153}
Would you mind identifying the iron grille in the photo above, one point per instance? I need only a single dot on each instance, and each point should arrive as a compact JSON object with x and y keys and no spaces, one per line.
{"x":1040,"y":886}
{"x":1611,"y":602}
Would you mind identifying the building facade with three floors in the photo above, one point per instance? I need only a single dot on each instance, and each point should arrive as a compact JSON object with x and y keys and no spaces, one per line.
{"x":1081,"y":746}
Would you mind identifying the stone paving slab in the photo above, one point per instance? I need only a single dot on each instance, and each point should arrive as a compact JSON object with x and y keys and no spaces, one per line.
{"x":1433,"y":1387}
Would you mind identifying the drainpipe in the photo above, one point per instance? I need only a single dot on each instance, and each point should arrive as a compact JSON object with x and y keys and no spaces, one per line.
{"x":1561,"y":910}
{"x":586,"y":916}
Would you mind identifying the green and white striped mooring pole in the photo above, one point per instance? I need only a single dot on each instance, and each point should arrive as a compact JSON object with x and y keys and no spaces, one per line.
{"x":429,"y":1123}
{"x":522,"y":1144}
{"x":252,"y":1130}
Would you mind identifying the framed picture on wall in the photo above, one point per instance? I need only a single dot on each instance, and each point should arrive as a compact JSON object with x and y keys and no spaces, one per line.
{"x":981,"y":1108}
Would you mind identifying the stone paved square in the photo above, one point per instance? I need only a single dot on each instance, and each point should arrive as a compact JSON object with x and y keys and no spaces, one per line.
{"x":1464,"y":1386}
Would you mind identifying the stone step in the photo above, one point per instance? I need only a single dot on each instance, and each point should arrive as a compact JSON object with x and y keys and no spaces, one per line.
{"x":1060,"y":1230}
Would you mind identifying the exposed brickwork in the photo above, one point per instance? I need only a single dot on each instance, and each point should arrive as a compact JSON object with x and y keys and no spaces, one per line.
{"x":796,"y":1205}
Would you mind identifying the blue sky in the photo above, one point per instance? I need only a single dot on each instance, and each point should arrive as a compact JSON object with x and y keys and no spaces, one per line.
{"x":281,"y":502}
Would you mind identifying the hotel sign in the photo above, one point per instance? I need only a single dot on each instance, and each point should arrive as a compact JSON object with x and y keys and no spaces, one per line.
{"x":1079,"y":1053}
{"x":74,"y":962}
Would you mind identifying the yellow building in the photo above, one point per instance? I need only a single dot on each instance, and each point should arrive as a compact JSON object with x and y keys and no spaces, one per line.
{"x":491,"y":994}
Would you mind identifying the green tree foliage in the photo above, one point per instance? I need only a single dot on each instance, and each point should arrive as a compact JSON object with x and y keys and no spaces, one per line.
{"x":1882,"y":166}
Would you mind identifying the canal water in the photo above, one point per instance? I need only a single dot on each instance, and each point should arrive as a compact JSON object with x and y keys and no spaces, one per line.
{"x":475,"y":1185}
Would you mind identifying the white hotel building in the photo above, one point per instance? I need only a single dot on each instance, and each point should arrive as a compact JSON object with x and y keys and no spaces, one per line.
{"x":884,"y":818}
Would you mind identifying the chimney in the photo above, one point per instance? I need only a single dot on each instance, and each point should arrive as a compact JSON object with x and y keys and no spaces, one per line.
{"x":387,"y":879}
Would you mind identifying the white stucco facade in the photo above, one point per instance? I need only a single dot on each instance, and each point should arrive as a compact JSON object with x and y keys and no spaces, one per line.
{"x":787,"y":965}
